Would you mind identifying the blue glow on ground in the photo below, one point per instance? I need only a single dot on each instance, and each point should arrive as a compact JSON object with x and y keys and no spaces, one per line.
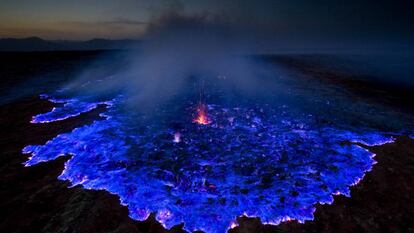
{"x":71,"y":108}
{"x":260,"y":161}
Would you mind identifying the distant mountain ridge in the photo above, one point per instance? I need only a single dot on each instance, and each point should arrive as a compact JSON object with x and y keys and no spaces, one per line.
{"x":39,"y":44}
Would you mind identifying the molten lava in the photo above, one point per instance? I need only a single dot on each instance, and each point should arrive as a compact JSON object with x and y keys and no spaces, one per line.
{"x":202,"y":117}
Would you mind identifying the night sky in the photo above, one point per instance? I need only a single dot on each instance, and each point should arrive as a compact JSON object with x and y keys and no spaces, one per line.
{"x":294,"y":21}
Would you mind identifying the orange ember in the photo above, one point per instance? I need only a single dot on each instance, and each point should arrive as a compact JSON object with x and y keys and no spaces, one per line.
{"x":202,"y":117}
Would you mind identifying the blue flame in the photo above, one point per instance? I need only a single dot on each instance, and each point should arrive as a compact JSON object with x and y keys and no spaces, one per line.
{"x":275,"y":163}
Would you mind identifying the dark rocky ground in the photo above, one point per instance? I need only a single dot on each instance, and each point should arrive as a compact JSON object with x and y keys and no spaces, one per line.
{"x":33,"y":200}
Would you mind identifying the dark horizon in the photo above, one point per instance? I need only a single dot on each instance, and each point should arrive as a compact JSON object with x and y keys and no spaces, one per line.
{"x":269,"y":24}
{"x":36,"y":43}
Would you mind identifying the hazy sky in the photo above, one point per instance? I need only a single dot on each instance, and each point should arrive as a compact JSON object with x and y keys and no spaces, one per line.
{"x":290,"y":20}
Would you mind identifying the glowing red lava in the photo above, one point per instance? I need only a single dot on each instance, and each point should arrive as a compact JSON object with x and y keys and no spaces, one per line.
{"x":202,"y":117}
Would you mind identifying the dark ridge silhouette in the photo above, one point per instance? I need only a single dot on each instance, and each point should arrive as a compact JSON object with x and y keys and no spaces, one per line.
{"x":38,"y":44}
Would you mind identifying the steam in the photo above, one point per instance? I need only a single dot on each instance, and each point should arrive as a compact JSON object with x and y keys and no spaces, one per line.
{"x":177,"y":49}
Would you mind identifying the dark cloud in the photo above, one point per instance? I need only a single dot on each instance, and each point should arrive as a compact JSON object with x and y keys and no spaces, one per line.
{"x":293,"y":23}
{"x":114,"y":22}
